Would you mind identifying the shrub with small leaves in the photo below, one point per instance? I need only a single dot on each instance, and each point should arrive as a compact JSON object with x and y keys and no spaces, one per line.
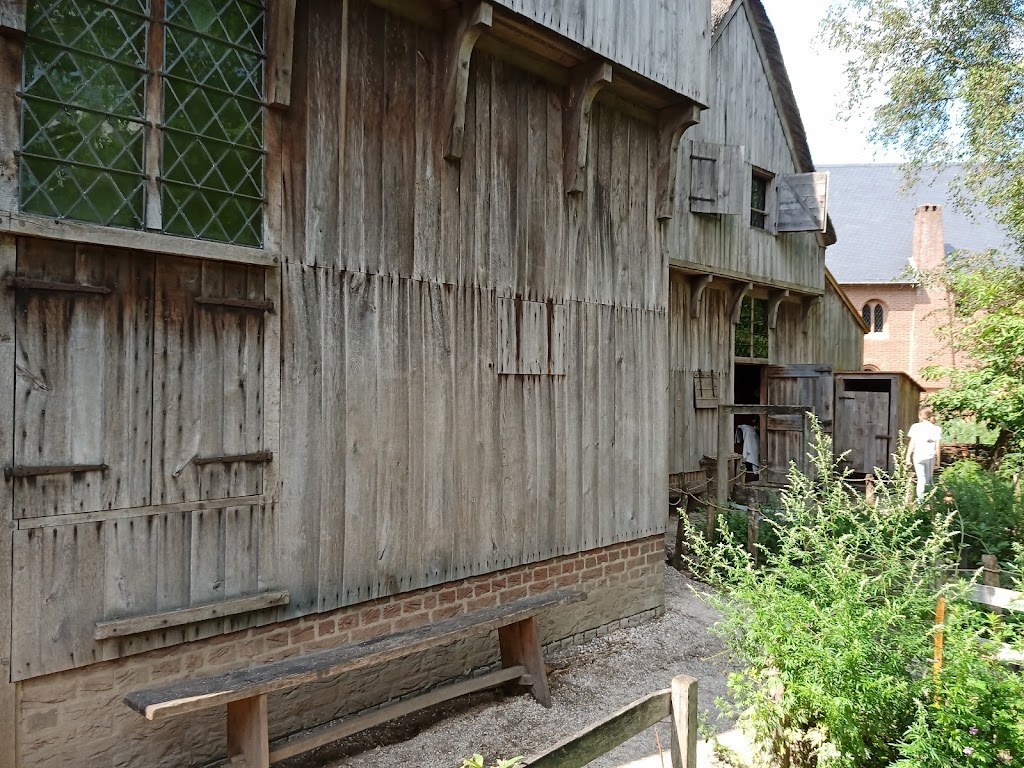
{"x":478,"y":761}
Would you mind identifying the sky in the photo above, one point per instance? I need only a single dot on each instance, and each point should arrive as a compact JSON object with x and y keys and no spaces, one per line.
{"x":820,"y":86}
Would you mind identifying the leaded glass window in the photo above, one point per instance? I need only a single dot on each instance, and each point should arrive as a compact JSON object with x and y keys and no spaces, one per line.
{"x":181,"y":151}
{"x":874,"y":316}
{"x":752,"y":329}
{"x":759,"y":199}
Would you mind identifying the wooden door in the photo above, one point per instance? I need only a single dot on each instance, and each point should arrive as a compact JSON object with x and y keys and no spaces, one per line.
{"x":82,"y":384}
{"x":863,"y":431}
{"x":787,"y":437}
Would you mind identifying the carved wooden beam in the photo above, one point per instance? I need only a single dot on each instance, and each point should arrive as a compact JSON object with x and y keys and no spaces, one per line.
{"x":12,"y":18}
{"x":672,"y":122}
{"x":773,"y":306}
{"x":738,"y":292}
{"x":475,"y":18}
{"x":809,"y":303}
{"x":282,"y":49}
{"x":586,"y":80}
{"x":697,"y":286}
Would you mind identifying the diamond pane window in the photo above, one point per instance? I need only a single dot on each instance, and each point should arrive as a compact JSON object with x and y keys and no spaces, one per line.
{"x":83,"y":113}
{"x":752,"y":330}
{"x":92,"y":112}
{"x":212,"y":180}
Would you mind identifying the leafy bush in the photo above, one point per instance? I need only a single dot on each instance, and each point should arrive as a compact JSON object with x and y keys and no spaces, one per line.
{"x":988,"y":513}
{"x":836,"y":630}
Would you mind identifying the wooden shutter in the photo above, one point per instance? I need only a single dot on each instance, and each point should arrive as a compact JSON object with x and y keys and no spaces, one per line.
{"x":810,"y":386}
{"x":83,"y":386}
{"x":802,"y":201}
{"x":208,"y":380}
{"x":718,"y":180}
{"x":531,"y":337}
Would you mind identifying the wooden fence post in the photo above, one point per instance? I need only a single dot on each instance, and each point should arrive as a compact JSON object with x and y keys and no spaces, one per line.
{"x":992,"y":569}
{"x":753,"y":530}
{"x":869,"y":490}
{"x":684,"y":722}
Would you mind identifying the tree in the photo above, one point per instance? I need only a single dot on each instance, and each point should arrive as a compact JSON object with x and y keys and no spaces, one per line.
{"x":950,"y":74}
{"x":987,"y":329}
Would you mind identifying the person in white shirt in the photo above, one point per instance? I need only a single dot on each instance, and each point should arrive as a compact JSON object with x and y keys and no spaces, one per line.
{"x":923,"y":448}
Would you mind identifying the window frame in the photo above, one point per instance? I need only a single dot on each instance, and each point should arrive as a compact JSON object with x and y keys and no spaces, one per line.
{"x":280,"y":30}
{"x":760,"y":300}
{"x":761,"y":175}
{"x":870,"y":312}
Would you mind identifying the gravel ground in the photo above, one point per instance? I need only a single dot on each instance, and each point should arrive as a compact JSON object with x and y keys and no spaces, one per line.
{"x":588,"y":682}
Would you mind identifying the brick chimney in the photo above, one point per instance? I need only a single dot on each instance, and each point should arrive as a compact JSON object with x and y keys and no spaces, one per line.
{"x":929,"y":242}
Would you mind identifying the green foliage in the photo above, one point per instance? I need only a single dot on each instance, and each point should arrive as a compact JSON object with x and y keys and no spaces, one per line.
{"x":836,"y":629}
{"x":987,"y":330}
{"x":477,"y":761}
{"x":987,"y":511}
{"x":960,"y":431}
{"x":975,"y":716}
{"x":950,"y":74}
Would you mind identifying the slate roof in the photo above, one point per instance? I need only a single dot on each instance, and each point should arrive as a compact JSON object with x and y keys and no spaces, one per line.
{"x":874,"y":217}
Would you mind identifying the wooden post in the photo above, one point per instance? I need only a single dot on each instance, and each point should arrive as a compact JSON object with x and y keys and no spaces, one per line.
{"x":869,"y":490}
{"x":684,"y":722}
{"x":248,"y":734}
{"x":520,"y":647}
{"x":940,"y":617}
{"x":722,"y":474}
{"x":753,"y":531}
{"x":992,"y":570}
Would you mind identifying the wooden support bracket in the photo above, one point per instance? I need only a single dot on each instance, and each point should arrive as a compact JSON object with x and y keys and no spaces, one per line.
{"x":520,"y":647}
{"x":773,"y":306}
{"x":248,"y":732}
{"x":476,"y":17}
{"x":697,"y":286}
{"x":809,"y":303}
{"x":282,"y":53}
{"x":586,"y":80}
{"x":672,"y":122}
{"x":738,"y":292}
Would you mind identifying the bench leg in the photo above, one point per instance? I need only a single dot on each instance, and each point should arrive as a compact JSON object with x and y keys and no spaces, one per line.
{"x":248,"y":734}
{"x":519,"y":646}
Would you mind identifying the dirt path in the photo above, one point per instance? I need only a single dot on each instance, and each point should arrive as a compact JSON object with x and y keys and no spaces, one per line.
{"x":588,"y":683}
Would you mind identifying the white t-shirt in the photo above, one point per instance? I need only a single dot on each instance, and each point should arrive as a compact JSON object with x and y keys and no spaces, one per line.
{"x":924,"y":436}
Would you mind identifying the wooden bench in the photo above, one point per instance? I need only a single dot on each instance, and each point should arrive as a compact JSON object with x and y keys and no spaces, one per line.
{"x":1000,"y":599}
{"x":245,"y":691}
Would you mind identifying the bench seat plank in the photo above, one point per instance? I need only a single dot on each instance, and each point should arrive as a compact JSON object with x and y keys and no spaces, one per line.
{"x":204,"y":693}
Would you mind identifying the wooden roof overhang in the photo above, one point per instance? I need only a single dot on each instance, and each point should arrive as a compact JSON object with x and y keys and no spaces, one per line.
{"x":582,"y":74}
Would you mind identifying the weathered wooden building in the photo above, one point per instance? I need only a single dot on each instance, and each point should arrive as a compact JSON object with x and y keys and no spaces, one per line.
{"x":754,"y":317}
{"x":325,"y":319}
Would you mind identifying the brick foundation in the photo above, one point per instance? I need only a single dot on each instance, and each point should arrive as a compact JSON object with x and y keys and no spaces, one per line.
{"x":77,"y":718}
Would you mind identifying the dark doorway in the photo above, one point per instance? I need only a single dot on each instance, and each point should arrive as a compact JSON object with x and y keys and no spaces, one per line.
{"x":747,"y":390}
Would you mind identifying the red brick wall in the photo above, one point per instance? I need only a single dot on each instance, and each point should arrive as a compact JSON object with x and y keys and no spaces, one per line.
{"x":909,"y":341}
{"x":77,"y":718}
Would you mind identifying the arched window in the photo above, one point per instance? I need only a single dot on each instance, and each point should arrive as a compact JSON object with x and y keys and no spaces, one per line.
{"x":874,"y":316}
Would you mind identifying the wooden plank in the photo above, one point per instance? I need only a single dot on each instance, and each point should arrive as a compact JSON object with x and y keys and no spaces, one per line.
{"x":8,"y":699}
{"x":281,"y":59}
{"x":684,"y":722}
{"x":601,"y":737}
{"x":195,"y":695}
{"x":127,"y":514}
{"x":28,"y":225}
{"x":318,"y":737}
{"x":12,"y":17}
{"x":12,"y":27}
{"x":519,"y":646}
{"x":194,"y":613}
{"x":996,"y":597}
{"x":248,"y":734}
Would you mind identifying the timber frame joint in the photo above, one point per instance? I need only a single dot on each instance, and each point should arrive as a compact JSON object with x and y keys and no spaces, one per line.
{"x":672,"y":123}
{"x":697,"y":286}
{"x":773,"y":306}
{"x":739,"y":291}
{"x":808,"y":304}
{"x":584,"y":83}
{"x":462,"y":38}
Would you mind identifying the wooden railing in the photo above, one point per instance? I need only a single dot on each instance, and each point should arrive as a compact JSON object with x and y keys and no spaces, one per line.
{"x":679,"y":703}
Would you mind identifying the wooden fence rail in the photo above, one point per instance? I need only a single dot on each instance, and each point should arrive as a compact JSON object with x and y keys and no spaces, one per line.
{"x":678,"y":703}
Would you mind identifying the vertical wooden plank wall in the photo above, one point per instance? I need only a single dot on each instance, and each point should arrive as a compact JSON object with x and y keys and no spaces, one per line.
{"x":8,"y":702}
{"x":408,"y":457}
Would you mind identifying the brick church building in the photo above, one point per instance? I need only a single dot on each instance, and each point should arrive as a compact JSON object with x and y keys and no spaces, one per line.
{"x":888,"y":233}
